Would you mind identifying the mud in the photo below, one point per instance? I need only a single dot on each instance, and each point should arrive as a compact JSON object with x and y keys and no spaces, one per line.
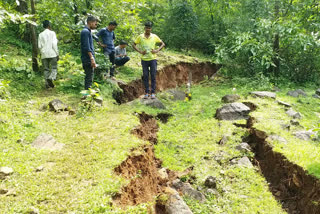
{"x":148,"y":128}
{"x":170,"y":76}
{"x":298,"y":191}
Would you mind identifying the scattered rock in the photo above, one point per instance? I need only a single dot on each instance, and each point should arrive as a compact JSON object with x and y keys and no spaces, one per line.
{"x":316,"y":96}
{"x":72,"y":112}
{"x":175,"y":204}
{"x":230,"y":98}
{"x":5,"y":171}
{"x":294,"y":114}
{"x":11,"y":192}
{"x":243,"y":147}
{"x":294,"y":123}
{"x":210,"y":182}
{"x":3,"y":191}
{"x":33,"y":210}
{"x":163,"y":173}
{"x":264,"y":94}
{"x":213,"y":192}
{"x":44,"y":107}
{"x":245,"y":162}
{"x":318,"y":91}
{"x":251,"y":105}
{"x":154,"y":103}
{"x":305,"y":135}
{"x":283,"y":103}
{"x":285,"y":126}
{"x":187,"y":189}
{"x":297,"y":93}
{"x":233,"y":111}
{"x":176,"y":95}
{"x":45,"y":141}
{"x":21,"y":140}
{"x":223,"y":140}
{"x":57,"y":105}
{"x":277,"y":138}
{"x":40,"y":168}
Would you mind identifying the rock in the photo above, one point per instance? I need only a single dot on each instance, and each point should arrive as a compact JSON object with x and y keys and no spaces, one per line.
{"x":245,"y":162}
{"x":233,"y":111}
{"x":297,"y":93}
{"x":176,"y":95}
{"x":57,"y":105}
{"x":175,"y":204}
{"x":285,"y":126}
{"x":316,"y":96}
{"x":305,"y":135}
{"x":210,"y":182}
{"x":33,"y":210}
{"x":3,"y":191}
{"x":39,"y":169}
{"x":11,"y":192}
{"x":223,"y":140}
{"x":5,"y":171}
{"x":294,"y":114}
{"x":251,"y":105}
{"x":283,"y":103}
{"x":263,"y":94}
{"x":187,"y":189}
{"x":243,"y":147}
{"x":45,"y":141}
{"x":230,"y":98}
{"x":213,"y":192}
{"x":318,"y":91}
{"x":72,"y":112}
{"x":163,"y":173}
{"x":154,"y":103}
{"x":294,"y":123}
{"x":277,"y":138}
{"x":44,"y":107}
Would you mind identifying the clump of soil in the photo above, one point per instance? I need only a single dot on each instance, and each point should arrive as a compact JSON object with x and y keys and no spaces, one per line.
{"x":170,"y":76}
{"x":163,"y":117}
{"x":148,"y":128}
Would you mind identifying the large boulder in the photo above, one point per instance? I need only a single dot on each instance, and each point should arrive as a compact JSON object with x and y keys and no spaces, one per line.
{"x":297,"y":93}
{"x":263,"y":94}
{"x":175,"y":204}
{"x":154,"y":103}
{"x":230,"y":98}
{"x":45,"y":141}
{"x":233,"y":111}
{"x":187,"y":189}
{"x":305,"y":135}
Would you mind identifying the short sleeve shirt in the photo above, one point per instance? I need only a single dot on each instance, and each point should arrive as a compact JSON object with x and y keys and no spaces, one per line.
{"x":147,"y":44}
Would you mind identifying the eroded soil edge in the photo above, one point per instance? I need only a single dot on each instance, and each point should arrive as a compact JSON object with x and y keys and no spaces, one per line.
{"x":170,"y":76}
{"x":298,"y":191}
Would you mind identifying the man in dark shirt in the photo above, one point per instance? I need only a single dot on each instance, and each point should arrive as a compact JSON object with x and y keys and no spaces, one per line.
{"x":107,"y":36}
{"x":87,"y":51}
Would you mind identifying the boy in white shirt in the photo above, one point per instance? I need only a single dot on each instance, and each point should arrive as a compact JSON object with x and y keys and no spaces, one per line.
{"x":48,"y":45}
{"x":121,"y":54}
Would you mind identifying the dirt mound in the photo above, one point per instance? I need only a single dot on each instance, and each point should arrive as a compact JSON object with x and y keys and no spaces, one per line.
{"x":170,"y":76}
{"x":298,"y":191}
{"x":148,"y":128}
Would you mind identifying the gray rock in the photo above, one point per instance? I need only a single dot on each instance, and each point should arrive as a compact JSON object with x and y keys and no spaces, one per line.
{"x":243,"y":147}
{"x":213,"y":192}
{"x":5,"y":171}
{"x":230,"y":98}
{"x":57,"y":105}
{"x":154,"y":103}
{"x":45,"y":141}
{"x":187,"y":189}
{"x":285,"y":126}
{"x":264,"y":94}
{"x":294,"y":123}
{"x":305,"y":135}
{"x":251,"y":105}
{"x":233,"y":111}
{"x":33,"y":210}
{"x":39,"y":168}
{"x":211,"y":182}
{"x":316,"y":96}
{"x":175,"y":204}
{"x":318,"y":91}
{"x":277,"y":138}
{"x":297,"y":93}
{"x":176,"y":95}
{"x":223,"y":140}
{"x":3,"y":191}
{"x":44,"y":107}
{"x":245,"y":162}
{"x":284,"y":103}
{"x":294,"y":114}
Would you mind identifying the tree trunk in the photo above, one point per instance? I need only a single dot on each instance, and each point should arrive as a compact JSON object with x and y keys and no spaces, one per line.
{"x":35,"y":65}
{"x":23,"y":9}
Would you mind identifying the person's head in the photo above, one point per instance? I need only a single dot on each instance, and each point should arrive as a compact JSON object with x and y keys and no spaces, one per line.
{"x":112,"y":25}
{"x":148,"y":27}
{"x":46,"y":24}
{"x":92,"y":22}
{"x":123,"y":44}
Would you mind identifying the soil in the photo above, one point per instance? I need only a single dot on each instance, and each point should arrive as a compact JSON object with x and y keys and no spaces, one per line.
{"x":170,"y":76}
{"x":148,"y":128}
{"x":298,"y":191}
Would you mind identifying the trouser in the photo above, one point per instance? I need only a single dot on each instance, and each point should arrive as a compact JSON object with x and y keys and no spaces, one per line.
{"x":149,"y":67}
{"x":89,"y":73}
{"x":112,"y":59}
{"x":50,"y":74}
{"x":121,"y":60}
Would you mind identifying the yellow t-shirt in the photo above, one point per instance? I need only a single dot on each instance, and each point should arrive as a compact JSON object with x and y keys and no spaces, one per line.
{"x":147,"y":44}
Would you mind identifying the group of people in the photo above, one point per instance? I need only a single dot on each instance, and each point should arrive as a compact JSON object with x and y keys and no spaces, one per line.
{"x":145,"y":44}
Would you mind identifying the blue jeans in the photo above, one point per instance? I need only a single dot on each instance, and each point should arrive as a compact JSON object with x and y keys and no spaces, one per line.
{"x":121,"y":60}
{"x":89,"y":72}
{"x":111,"y":58}
{"x":149,"y":67}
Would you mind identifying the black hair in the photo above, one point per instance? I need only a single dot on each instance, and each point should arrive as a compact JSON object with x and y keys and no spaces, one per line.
{"x":46,"y":23}
{"x":122,"y":42}
{"x":114,"y":23}
{"x":148,"y":24}
{"x":91,"y":19}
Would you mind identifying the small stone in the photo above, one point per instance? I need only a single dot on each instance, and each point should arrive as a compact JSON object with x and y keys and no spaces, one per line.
{"x":230,"y":98}
{"x":5,"y":171}
{"x":283,"y":103}
{"x":40,"y":168}
{"x":294,"y":123}
{"x":294,"y":114}
{"x":33,"y":210}
{"x":176,"y":95}
{"x":163,"y":173}
{"x":45,"y":141}
{"x":245,"y":162}
{"x":297,"y":93}
{"x":154,"y":103}
{"x":21,"y":140}
{"x":305,"y":135}
{"x":233,"y":111}
{"x":11,"y":193}
{"x":243,"y":147}
{"x":72,"y":112}
{"x":3,"y":191}
{"x":210,"y":182}
{"x":264,"y":94}
{"x":285,"y":126}
{"x":57,"y":105}
{"x":223,"y":140}
{"x":277,"y":138}
{"x":44,"y":107}
{"x":213,"y":192}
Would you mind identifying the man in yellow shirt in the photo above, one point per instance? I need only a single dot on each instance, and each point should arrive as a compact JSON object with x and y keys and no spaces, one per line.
{"x":145,"y":44}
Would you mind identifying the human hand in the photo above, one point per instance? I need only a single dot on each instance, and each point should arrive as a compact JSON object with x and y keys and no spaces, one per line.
{"x":154,"y":51}
{"x":93,"y":63}
{"x":143,"y":52}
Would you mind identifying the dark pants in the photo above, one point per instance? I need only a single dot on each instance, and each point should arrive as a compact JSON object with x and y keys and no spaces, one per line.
{"x":149,"y":66}
{"x":112,"y":60}
{"x":121,"y":60}
{"x":50,"y":73}
{"x":88,"y":79}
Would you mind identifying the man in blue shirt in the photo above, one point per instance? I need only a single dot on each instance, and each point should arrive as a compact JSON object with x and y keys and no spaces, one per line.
{"x":87,"y":51}
{"x":107,"y":36}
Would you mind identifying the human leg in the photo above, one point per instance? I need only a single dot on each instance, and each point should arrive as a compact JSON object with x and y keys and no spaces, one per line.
{"x":145,"y":73}
{"x":112,"y":60}
{"x":89,"y":72}
{"x":46,"y":71}
{"x":153,"y":72}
